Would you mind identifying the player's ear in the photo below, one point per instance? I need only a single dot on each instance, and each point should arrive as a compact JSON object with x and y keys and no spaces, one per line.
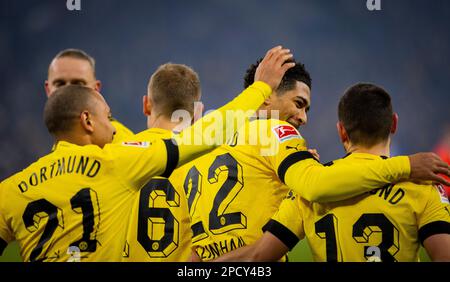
{"x":146,"y":105}
{"x":98,"y":85}
{"x":343,"y":136}
{"x":47,"y":89}
{"x":394,"y":123}
{"x":269,"y":101}
{"x":86,"y":121}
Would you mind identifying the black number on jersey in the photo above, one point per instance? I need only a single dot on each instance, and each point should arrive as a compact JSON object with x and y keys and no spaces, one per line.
{"x":32,"y":216}
{"x":325,"y":229}
{"x":149,"y":237}
{"x":370,"y":223}
{"x":194,"y":181}
{"x":192,"y":187}
{"x":39,"y":209}
{"x":219,"y":220}
{"x":82,"y":203}
{"x":364,"y":227}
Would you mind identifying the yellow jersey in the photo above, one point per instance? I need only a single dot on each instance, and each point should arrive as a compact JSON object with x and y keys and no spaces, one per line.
{"x":386,"y":224}
{"x":74,"y":203}
{"x":235,"y":189}
{"x":240,"y":185}
{"x":160,"y":222}
{"x":122,"y":132}
{"x":159,"y":229}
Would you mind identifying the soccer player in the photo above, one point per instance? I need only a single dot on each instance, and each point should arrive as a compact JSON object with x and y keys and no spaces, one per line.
{"x":160,"y":228}
{"x":74,"y":204}
{"x":386,"y":224}
{"x":76,"y":67}
{"x":235,"y":189}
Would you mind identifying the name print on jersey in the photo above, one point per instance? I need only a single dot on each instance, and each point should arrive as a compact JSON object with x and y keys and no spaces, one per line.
{"x":74,"y":164}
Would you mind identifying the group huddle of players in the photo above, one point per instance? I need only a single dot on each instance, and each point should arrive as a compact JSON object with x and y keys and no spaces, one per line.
{"x":185,"y":192}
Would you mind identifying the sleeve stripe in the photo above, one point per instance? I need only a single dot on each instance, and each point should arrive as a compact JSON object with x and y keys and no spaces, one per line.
{"x":281,"y":232}
{"x":436,"y":227}
{"x":290,"y":160}
{"x":3,"y":245}
{"x":197,"y":229}
{"x":172,"y":156}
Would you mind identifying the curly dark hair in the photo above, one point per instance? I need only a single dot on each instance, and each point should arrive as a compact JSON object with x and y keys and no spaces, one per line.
{"x":294,"y":74}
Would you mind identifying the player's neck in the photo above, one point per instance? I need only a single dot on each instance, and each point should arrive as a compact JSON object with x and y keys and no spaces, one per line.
{"x":380,"y":149}
{"x":77,"y":139}
{"x":165,"y":123}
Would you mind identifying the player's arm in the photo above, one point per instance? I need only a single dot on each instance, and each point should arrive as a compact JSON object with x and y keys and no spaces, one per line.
{"x":438,"y":247}
{"x":143,"y":160}
{"x":299,"y":170}
{"x":434,"y":223}
{"x":209,"y":132}
{"x":283,"y":231}
{"x":318,"y":183}
{"x":266,"y":248}
{"x":136,"y":162}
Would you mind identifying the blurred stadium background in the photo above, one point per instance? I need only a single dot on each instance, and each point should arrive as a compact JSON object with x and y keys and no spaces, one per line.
{"x":405,"y":47}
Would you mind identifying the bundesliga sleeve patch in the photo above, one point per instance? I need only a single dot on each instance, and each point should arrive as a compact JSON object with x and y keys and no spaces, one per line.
{"x":285,"y":132}
{"x":442,"y":193}
{"x":143,"y":144}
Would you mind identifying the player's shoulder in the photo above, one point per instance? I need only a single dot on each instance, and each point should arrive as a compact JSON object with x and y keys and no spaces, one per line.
{"x":151,"y":134}
{"x":141,"y":140}
{"x":275,"y":129}
{"x":426,"y":186}
{"x":269,"y":123}
{"x":425,"y":190}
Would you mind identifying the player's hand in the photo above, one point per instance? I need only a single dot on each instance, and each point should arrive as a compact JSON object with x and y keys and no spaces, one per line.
{"x":194,"y":256}
{"x":314,"y":153}
{"x":273,"y":67}
{"x":427,"y":166}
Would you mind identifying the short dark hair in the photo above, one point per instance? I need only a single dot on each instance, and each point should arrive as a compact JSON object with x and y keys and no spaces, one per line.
{"x":294,"y":74}
{"x":65,"y":105}
{"x":366,"y":113}
{"x":76,"y":54}
{"x":174,"y":87}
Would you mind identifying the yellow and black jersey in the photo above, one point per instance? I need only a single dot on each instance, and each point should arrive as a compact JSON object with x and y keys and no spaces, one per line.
{"x":159,"y":229}
{"x":240,"y":185}
{"x":122,"y":132}
{"x":386,"y":224}
{"x":74,"y":204}
{"x":160,"y":223}
{"x":235,"y":189}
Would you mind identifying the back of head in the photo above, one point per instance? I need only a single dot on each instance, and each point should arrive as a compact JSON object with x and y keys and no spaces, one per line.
{"x":64,"y":107}
{"x":76,"y":54}
{"x":292,"y":75}
{"x":174,"y":87}
{"x":366,"y":113}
